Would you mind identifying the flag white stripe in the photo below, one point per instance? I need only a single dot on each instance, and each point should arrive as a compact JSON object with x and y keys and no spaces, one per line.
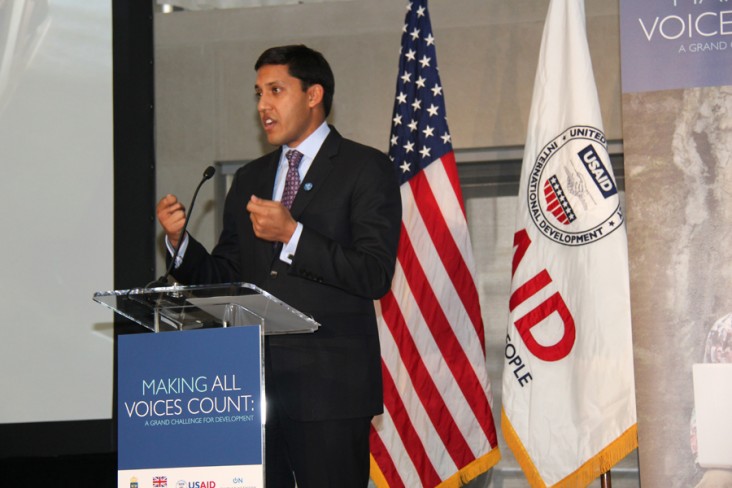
{"x":440,"y":281}
{"x":439,"y":458}
{"x":452,"y":396}
{"x":452,"y":211}
{"x":388,"y":432}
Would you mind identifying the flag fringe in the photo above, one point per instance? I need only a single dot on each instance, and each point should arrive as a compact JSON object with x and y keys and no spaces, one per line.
{"x":472,"y":470}
{"x":519,"y":452}
{"x":585,"y":474}
{"x":376,"y":475}
{"x":461,"y":478}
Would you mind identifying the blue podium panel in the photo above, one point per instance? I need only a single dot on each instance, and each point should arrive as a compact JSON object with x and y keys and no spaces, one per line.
{"x":190,"y":408}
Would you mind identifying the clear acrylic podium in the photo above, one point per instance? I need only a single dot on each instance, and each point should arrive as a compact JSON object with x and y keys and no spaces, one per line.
{"x":205,"y":306}
{"x":205,"y":387}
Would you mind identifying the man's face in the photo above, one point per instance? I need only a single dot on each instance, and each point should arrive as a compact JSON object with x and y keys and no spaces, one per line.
{"x":288,"y":113}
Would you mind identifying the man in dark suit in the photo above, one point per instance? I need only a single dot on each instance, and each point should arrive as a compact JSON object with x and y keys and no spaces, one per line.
{"x":329,"y":253}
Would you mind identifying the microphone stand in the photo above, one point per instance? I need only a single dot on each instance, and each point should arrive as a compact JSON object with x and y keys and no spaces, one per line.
{"x":163,"y":280}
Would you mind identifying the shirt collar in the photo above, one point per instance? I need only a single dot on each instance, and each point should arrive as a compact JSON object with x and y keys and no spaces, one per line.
{"x":311,"y":145}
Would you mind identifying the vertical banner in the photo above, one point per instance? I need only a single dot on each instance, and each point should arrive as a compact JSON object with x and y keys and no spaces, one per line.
{"x":677,"y":123}
{"x":437,"y":428}
{"x":568,"y":389}
{"x":189,"y":409}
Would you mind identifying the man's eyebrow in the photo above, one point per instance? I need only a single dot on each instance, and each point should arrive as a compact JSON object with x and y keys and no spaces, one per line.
{"x":269,"y":83}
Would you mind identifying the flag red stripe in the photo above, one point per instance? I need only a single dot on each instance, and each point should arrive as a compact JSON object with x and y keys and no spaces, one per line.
{"x":428,"y":393}
{"x":413,"y":444}
{"x":445,"y":338}
{"x":384,"y":461}
{"x":448,"y":161}
{"x":450,"y":255}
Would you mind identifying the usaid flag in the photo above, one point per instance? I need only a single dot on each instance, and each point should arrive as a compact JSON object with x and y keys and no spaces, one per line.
{"x":568,"y":389}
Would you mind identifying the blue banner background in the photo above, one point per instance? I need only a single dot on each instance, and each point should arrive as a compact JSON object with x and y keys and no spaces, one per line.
{"x":175,"y":437}
{"x":672,"y":47}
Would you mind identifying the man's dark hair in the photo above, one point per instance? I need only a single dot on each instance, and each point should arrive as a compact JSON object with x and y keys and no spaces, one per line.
{"x":305,"y":64}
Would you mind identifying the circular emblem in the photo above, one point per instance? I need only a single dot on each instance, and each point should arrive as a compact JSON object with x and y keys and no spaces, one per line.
{"x":572,"y":196}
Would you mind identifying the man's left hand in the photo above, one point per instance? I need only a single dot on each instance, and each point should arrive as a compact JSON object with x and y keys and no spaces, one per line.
{"x":271,"y":220}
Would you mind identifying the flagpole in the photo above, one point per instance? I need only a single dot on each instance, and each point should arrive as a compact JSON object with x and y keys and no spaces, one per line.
{"x":606,"y":480}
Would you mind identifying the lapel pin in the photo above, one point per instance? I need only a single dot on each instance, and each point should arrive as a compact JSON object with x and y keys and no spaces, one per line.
{"x":307,"y":186}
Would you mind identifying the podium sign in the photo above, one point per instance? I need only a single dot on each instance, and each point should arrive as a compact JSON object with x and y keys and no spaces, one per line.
{"x":190,"y":401}
{"x":190,"y":408}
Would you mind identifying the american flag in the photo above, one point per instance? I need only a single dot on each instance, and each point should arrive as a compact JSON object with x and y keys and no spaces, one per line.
{"x":437,"y":425}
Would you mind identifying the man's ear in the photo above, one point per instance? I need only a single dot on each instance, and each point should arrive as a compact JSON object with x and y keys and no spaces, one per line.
{"x":315,"y":95}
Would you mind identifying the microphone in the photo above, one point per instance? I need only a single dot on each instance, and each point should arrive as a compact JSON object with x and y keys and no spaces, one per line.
{"x":163,"y":280}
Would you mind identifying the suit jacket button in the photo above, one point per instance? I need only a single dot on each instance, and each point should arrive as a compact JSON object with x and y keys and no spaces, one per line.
{"x":273,"y":274}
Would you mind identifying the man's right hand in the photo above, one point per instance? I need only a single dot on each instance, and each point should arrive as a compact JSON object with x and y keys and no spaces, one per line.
{"x":172,"y":216}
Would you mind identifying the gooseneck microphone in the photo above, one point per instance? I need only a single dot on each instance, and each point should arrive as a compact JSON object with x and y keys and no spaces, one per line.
{"x":163,"y":280}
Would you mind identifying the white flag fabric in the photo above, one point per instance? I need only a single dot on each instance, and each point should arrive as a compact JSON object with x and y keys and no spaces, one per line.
{"x":437,"y":428}
{"x":568,"y":389}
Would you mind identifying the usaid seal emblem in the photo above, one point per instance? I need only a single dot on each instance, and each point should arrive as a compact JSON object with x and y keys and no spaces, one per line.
{"x":572,"y":195}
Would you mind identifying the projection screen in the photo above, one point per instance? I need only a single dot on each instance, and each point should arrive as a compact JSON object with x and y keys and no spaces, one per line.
{"x":56,"y":210}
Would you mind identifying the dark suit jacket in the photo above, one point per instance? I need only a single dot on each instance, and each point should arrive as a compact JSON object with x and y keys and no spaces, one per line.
{"x":345,"y":259}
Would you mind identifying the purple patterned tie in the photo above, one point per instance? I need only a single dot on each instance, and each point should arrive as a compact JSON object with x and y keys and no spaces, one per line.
{"x":292,"y":180}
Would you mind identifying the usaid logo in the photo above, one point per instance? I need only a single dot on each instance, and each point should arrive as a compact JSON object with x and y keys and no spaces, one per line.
{"x":597,"y":171}
{"x":571,"y":192}
{"x":195,"y":484}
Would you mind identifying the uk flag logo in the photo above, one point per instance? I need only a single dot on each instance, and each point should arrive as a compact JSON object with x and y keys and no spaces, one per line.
{"x":160,"y":481}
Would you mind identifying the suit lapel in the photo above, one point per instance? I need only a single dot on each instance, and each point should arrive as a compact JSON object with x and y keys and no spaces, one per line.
{"x":266,"y":180}
{"x":263,"y":189}
{"x":317,"y":174}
